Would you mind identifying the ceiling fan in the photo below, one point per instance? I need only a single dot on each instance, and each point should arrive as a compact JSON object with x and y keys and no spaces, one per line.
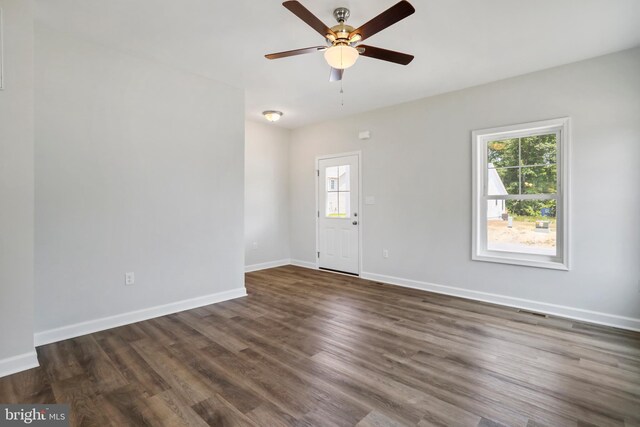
{"x":343,"y":48}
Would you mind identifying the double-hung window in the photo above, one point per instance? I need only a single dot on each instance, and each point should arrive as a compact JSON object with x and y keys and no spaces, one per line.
{"x":520,"y":194}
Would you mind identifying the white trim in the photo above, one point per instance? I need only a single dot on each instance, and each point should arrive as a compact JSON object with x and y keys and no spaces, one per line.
{"x":565,"y":159}
{"x":479,"y":251}
{"x":91,"y":326}
{"x":360,"y":213}
{"x":518,"y":259}
{"x":532,"y":128}
{"x":265,"y":265}
{"x":18,"y":363}
{"x":606,"y":319}
{"x":1,"y":51}
{"x":305,"y":264}
{"x":313,"y":266}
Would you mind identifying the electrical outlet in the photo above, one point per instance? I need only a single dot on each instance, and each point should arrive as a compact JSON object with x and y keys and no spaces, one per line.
{"x":255,"y":245}
{"x":129,"y":278}
{"x":385,"y":253}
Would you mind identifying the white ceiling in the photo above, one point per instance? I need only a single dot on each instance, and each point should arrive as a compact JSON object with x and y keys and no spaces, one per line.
{"x":457,"y":44}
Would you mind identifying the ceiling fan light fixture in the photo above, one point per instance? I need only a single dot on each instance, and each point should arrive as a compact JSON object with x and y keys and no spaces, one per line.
{"x":341,"y":57}
{"x":272,"y":115}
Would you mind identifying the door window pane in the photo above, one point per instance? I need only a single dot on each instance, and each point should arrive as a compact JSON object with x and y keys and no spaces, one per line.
{"x":344,"y":178}
{"x":338,"y":186}
{"x":344,"y":210}
{"x":332,"y":204}
{"x":332,"y":178}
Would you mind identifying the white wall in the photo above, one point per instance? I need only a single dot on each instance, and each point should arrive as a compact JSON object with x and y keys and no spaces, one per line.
{"x":16,"y":186}
{"x":266,"y":194}
{"x":418,"y":166}
{"x":139,"y":167}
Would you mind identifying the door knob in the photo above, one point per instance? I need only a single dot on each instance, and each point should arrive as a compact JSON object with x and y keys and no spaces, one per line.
{"x":355,"y":223}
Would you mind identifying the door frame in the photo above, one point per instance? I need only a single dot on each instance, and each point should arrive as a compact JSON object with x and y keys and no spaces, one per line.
{"x":317,"y":195}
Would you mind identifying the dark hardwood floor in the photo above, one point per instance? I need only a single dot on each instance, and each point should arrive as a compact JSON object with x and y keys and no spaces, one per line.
{"x":310,"y":348}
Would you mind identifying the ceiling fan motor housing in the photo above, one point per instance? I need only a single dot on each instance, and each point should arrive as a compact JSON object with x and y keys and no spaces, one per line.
{"x":340,"y":36}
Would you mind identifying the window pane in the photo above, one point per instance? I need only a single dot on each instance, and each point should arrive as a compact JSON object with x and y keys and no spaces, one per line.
{"x":539,"y":179}
{"x":526,"y":226}
{"x":502,"y":181}
{"x":344,"y":208}
{"x":338,"y":204}
{"x":338,"y":191}
{"x":538,"y":150}
{"x":502,"y":153}
{"x":344,"y":176}
{"x":332,"y":204}
{"x":331,"y":174}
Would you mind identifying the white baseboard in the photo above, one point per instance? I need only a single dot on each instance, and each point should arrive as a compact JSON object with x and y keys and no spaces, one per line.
{"x":18,"y":363}
{"x":265,"y":265}
{"x":597,"y":317}
{"x":305,"y":264}
{"x":91,"y":326}
{"x":280,"y":263}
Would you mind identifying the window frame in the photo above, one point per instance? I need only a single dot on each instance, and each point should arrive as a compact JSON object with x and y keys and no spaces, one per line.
{"x":336,"y":190}
{"x":480,"y":139}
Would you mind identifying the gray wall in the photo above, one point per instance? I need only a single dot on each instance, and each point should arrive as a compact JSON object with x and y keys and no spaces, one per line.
{"x":418,"y":166}
{"x":16,"y":181}
{"x":266,"y":198}
{"x":139,"y":167}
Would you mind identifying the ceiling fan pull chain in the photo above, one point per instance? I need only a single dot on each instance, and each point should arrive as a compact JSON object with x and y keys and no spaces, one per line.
{"x":341,"y":94}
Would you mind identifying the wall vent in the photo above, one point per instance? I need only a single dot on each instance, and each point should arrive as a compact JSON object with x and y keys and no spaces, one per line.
{"x":533,"y":313}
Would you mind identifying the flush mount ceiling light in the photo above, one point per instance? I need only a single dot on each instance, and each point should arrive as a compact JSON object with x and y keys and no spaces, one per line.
{"x":341,"y":57}
{"x":272,"y":115}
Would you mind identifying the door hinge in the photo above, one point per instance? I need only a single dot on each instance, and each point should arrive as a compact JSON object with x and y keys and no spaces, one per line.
{"x":318,"y":254}
{"x":317,"y":172}
{"x":318,"y":214}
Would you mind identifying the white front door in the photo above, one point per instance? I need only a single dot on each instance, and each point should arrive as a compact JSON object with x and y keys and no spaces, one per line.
{"x":338,"y":217}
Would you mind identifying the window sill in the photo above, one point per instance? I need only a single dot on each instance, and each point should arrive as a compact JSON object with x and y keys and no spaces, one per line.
{"x":514,"y":259}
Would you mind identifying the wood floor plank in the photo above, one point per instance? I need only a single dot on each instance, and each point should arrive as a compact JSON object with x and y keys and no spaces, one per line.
{"x":61,"y":360}
{"x":132,"y":366}
{"x":269,"y":415}
{"x":178,"y":375}
{"x":173,"y":409}
{"x":216,"y":411}
{"x":377,"y":419}
{"x":81,"y":394}
{"x":200,"y":363}
{"x":30,"y":386}
{"x":309,"y":348}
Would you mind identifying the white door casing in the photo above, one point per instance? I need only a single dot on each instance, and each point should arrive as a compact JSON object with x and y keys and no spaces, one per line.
{"x":338,"y":213}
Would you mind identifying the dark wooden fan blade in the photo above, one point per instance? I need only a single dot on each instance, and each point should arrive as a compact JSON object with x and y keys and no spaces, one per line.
{"x":336,"y":75}
{"x":385,"y":55}
{"x":386,"y":19}
{"x":303,"y":13}
{"x":294,"y":52}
